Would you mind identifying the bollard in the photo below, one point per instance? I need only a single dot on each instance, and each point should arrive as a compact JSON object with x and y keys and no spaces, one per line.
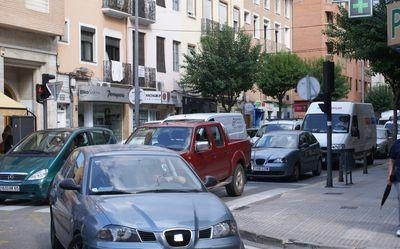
{"x":342,"y":162}
{"x":348,"y":157}
{"x":365,"y":171}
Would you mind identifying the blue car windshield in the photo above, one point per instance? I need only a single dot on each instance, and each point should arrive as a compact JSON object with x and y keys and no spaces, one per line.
{"x":316,"y":123}
{"x":134,"y":174}
{"x":277,"y":141}
{"x":49,"y":142}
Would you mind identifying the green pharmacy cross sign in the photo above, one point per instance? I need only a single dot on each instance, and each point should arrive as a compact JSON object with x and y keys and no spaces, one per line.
{"x":360,"y":8}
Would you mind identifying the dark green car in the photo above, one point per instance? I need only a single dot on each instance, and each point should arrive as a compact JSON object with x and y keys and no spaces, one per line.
{"x":28,"y":169}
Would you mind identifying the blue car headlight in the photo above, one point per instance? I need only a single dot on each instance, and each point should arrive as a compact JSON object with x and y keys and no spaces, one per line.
{"x":39,"y":175}
{"x":224,"y":229}
{"x":118,"y":234}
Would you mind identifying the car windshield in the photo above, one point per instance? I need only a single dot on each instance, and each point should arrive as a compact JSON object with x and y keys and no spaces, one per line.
{"x":139,"y":174}
{"x":175,"y":138}
{"x":277,"y":141}
{"x":273,"y":127}
{"x":47,"y":142}
{"x":316,"y":123}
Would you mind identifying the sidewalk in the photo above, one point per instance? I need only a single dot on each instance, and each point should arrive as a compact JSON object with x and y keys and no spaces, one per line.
{"x":344,"y":216}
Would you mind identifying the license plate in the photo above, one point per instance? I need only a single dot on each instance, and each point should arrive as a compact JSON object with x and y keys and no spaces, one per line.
{"x":9,"y":188}
{"x":260,"y":168}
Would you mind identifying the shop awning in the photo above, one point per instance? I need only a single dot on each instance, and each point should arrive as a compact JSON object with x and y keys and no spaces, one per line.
{"x":10,"y":107}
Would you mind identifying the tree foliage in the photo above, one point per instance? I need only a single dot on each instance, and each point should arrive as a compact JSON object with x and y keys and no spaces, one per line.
{"x":315,"y":69}
{"x":279,"y":73}
{"x":366,"y":39}
{"x":224,"y":66}
{"x":380,"y":97}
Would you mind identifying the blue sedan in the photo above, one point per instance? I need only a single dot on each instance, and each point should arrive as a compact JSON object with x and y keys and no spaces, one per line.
{"x":285,"y":154}
{"x":136,"y":196}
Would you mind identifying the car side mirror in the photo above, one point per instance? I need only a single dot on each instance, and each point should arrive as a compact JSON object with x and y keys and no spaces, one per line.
{"x":69,"y":184}
{"x":202,"y":146}
{"x":304,"y":145}
{"x":210,"y":181}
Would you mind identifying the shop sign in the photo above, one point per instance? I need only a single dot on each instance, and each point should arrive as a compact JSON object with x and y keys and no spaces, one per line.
{"x":300,"y":107}
{"x":104,"y":94}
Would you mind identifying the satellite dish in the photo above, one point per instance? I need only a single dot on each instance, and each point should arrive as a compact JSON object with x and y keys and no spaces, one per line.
{"x":308,"y":88}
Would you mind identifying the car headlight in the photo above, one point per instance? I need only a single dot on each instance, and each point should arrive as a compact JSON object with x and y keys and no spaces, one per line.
{"x":338,"y":146}
{"x":224,"y":229}
{"x":39,"y":175}
{"x":118,"y":234}
{"x":280,"y":160}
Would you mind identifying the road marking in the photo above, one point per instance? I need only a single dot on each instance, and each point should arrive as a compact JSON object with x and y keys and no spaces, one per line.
{"x":244,"y":201}
{"x":11,"y":208}
{"x":43,"y":210}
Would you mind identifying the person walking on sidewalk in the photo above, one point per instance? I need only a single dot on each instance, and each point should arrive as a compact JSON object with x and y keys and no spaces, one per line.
{"x":394,"y":176}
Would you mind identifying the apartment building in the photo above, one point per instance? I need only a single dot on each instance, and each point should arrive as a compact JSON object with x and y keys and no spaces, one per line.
{"x":28,"y":48}
{"x":310,"y":18}
{"x":269,"y":22}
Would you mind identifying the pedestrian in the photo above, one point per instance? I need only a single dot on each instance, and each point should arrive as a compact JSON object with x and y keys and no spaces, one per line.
{"x":7,"y":139}
{"x":394,"y":176}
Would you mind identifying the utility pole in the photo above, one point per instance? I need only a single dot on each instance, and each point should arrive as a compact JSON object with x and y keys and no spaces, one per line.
{"x":136,"y":64}
{"x":328,"y":70}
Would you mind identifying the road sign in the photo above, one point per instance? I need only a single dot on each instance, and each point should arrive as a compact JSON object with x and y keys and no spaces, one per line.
{"x":308,"y":88}
{"x":360,"y":8}
{"x":55,"y":88}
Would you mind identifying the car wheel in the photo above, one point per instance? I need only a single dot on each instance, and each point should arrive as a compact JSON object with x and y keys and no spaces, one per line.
{"x":317,"y":171}
{"x":76,"y":242}
{"x":55,"y":243}
{"x":236,"y":186}
{"x":296,"y":172}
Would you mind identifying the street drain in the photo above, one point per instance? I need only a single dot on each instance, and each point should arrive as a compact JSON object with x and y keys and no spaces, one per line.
{"x":333,"y":193}
{"x":348,"y":207}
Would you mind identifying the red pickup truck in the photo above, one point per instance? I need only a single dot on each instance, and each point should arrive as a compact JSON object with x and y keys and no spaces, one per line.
{"x":205,"y":146}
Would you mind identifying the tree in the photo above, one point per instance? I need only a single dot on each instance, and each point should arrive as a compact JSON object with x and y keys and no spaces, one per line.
{"x":366,"y":39}
{"x":223,"y":68}
{"x":315,"y":69}
{"x":279,"y":73}
{"x":380,"y":97}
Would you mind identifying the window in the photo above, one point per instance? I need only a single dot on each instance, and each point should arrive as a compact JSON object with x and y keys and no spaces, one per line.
{"x":287,"y":8}
{"x":207,"y":9}
{"x":256,"y":2}
{"x":287,"y":37}
{"x":175,"y":5}
{"x":87,"y":44}
{"x":267,"y":4}
{"x":191,"y":4}
{"x":141,"y":48}
{"x":175,"y":55}
{"x":256,"y":24}
{"x":160,"y":54}
{"x":329,"y":16}
{"x":65,"y":36}
{"x":112,"y":48}
{"x":222,"y":13}
{"x":217,"y":136}
{"x":38,"y":5}
{"x":277,"y":6}
{"x":349,"y":80}
{"x":236,"y":21}
{"x":267,"y":33}
{"x":247,"y":17}
{"x":160,"y":3}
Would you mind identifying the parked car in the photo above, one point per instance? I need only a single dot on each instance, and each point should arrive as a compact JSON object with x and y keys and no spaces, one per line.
{"x":274,"y":125}
{"x":389,"y":125}
{"x":28,"y":169}
{"x":383,"y":142}
{"x":136,"y":196}
{"x":205,"y":145}
{"x":285,"y":154}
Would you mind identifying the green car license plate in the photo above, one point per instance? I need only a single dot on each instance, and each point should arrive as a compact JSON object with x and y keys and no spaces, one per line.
{"x":9,"y":188}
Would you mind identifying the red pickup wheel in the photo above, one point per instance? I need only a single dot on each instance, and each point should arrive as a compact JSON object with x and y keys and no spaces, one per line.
{"x":236,"y":186}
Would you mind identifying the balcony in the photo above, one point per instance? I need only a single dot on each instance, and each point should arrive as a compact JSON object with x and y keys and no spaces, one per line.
{"x":121,"y":73}
{"x":147,"y":12}
{"x":147,"y":77}
{"x":117,"y":8}
{"x":208,"y":25}
{"x":273,"y":47}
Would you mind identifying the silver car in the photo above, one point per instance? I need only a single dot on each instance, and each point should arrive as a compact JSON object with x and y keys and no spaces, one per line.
{"x":383,"y":142}
{"x":136,"y":196}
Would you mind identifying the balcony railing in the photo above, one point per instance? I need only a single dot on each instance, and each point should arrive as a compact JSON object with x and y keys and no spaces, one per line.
{"x":146,"y":11}
{"x":121,"y":73}
{"x":208,"y":25}
{"x":147,"y":77}
{"x":117,"y":8}
{"x":273,"y":47}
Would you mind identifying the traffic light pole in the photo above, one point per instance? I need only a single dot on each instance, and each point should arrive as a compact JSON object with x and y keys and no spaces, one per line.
{"x":328,"y":70}
{"x":45,"y":114}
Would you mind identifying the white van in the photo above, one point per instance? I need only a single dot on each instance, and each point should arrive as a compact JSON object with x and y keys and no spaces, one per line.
{"x":359,"y":133}
{"x":233,"y":122}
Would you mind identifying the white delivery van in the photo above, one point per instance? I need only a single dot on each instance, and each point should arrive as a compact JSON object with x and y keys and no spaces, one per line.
{"x":233,"y":123}
{"x":353,"y":127}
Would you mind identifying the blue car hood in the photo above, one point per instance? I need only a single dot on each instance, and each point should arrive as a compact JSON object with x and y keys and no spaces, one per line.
{"x":24,"y":163}
{"x":160,"y":211}
{"x":271,"y":152}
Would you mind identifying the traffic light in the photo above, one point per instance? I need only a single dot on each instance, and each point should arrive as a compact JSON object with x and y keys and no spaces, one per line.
{"x":360,"y":8}
{"x":46,"y":77}
{"x":42,"y":93}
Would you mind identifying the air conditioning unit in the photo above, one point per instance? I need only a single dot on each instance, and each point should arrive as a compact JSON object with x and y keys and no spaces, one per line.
{"x":160,"y":86}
